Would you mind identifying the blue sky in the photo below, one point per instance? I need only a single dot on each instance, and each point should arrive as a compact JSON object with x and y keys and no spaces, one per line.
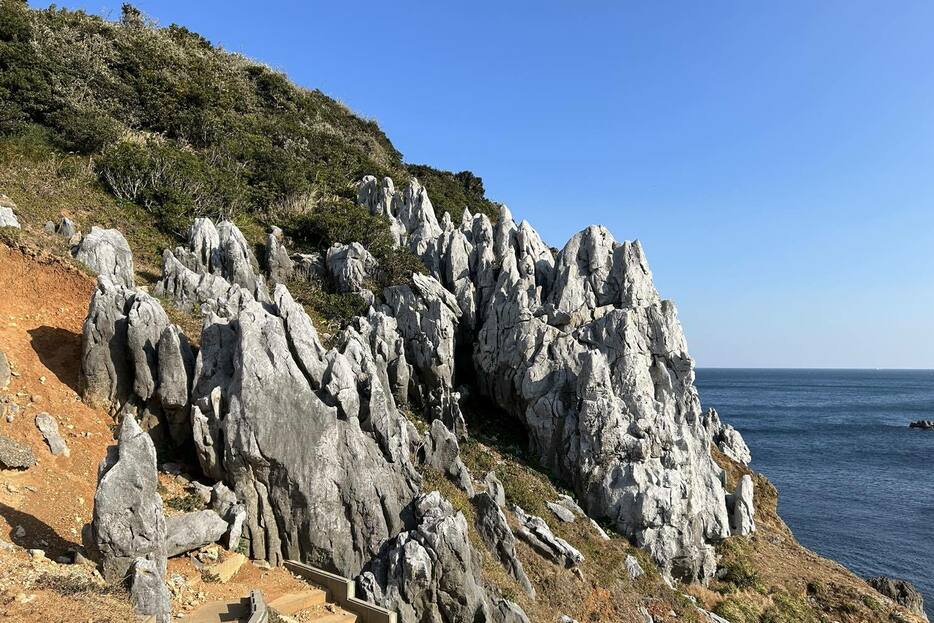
{"x":775,"y":159}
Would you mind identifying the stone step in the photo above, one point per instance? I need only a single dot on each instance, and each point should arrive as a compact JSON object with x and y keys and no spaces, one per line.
{"x":338,"y":617}
{"x":291,"y":603}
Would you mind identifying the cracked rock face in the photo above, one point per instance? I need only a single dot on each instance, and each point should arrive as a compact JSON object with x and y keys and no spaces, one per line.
{"x":349,"y":266}
{"x":107,"y":253}
{"x":726,"y":438}
{"x":270,"y":421}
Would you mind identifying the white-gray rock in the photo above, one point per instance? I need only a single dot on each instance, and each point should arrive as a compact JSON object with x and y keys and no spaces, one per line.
{"x":5,"y":373}
{"x":107,"y":253}
{"x":191,"y":531}
{"x":536,"y":533}
{"x":561,"y":512}
{"x":48,"y":426}
{"x":349,"y":266}
{"x":742,"y":510}
{"x":498,"y":537}
{"x":633,"y":568}
{"x":7,"y":213}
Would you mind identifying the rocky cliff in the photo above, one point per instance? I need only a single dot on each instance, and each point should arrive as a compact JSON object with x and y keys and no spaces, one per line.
{"x":578,"y":348}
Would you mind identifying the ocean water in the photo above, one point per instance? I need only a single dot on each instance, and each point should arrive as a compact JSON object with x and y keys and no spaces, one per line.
{"x":855,"y":483}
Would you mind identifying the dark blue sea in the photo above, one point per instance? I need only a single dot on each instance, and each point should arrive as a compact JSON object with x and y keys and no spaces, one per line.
{"x":855,"y":483}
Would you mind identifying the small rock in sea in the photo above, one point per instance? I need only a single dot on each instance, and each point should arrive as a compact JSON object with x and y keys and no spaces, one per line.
{"x":922,"y":424}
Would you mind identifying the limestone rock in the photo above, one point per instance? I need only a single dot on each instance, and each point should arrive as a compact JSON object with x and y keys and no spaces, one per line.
{"x":191,"y":531}
{"x":128,"y":522}
{"x":726,"y":438}
{"x":349,"y":265}
{"x":67,"y":228}
{"x":309,"y":266}
{"x":4,"y":370}
{"x":536,"y":533}
{"x":561,"y":512}
{"x":14,"y":455}
{"x":742,"y":510}
{"x":7,"y":214}
{"x":443,"y":453}
{"x":176,"y":364}
{"x":278,"y":263}
{"x":431,"y":573}
{"x":148,"y":592}
{"x":48,"y":426}
{"x":901,"y":592}
{"x":497,"y":536}
{"x":107,"y":253}
{"x":633,"y":568}
{"x":495,"y":488}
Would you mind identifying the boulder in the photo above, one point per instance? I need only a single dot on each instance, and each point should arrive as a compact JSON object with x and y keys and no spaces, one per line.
{"x":742,"y":510}
{"x":107,"y":253}
{"x":901,"y":592}
{"x":432,"y":573}
{"x":7,"y":214}
{"x":561,"y":512}
{"x":278,"y":264}
{"x":494,"y":529}
{"x":495,"y":488}
{"x":148,"y":592}
{"x":67,"y":228}
{"x":191,"y":531}
{"x":443,"y":454}
{"x":536,"y":533}
{"x":14,"y":455}
{"x":349,"y":266}
{"x":127,"y":522}
{"x":633,"y":568}
{"x":48,"y":426}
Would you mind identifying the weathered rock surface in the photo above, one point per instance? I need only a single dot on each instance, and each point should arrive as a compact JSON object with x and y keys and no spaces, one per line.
{"x":431,"y":573}
{"x":497,"y":536}
{"x":107,"y":253}
{"x":148,"y":591}
{"x":14,"y":455}
{"x":581,"y":349}
{"x":48,"y":426}
{"x":128,"y":527}
{"x":495,"y":488}
{"x":190,"y":531}
{"x":7,"y":213}
{"x":742,"y":510}
{"x":633,"y":568}
{"x":5,"y":372}
{"x":536,"y":533}
{"x":443,"y":453}
{"x":561,"y":512}
{"x":726,"y":438}
{"x":901,"y":592}
{"x":349,"y":266}
{"x":278,"y":264}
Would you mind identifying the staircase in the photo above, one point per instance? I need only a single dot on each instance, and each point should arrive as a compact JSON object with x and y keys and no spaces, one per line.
{"x":310,"y":606}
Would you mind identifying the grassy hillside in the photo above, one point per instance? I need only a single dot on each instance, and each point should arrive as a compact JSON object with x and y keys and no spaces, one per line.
{"x":182,"y":128}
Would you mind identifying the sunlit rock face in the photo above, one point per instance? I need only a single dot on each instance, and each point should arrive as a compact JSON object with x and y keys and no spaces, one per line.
{"x":581,"y":349}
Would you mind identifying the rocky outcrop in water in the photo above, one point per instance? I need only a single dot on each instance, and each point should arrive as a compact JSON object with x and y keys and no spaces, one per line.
{"x":107,"y":253}
{"x":922,"y":424}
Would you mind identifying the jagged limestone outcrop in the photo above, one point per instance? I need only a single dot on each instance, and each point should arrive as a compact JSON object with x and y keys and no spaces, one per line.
{"x":432,"y":573}
{"x":498,"y":537}
{"x":726,"y":438}
{"x":580,"y":348}
{"x":350,"y":265}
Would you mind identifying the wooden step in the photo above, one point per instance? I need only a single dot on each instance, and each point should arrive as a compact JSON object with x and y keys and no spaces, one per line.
{"x":291,"y":603}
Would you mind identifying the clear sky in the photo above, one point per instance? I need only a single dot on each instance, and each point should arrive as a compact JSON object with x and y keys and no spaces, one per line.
{"x":775,"y":158}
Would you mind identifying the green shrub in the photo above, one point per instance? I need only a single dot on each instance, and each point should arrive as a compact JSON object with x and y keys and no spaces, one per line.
{"x":735,"y":610}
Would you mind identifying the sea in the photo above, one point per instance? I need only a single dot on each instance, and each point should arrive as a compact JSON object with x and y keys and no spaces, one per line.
{"x":855,"y":483}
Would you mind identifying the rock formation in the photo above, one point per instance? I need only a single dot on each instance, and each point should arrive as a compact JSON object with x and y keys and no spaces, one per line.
{"x":107,"y":253}
{"x":48,"y":426}
{"x":726,"y":438}
{"x":128,"y":529}
{"x":7,"y":213}
{"x":583,"y":352}
{"x":741,"y":508}
{"x":349,"y":266}
{"x":498,"y":537}
{"x":190,"y":531}
{"x":901,"y":592}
